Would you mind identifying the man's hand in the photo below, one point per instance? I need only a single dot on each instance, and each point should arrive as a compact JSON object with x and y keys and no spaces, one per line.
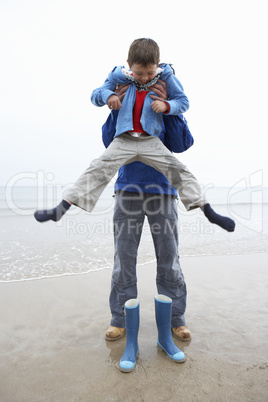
{"x":159,"y":106}
{"x":121,"y":91}
{"x":114,"y":102}
{"x":160,"y":90}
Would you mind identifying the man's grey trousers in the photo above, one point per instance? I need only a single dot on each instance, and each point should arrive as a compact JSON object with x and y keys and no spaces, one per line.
{"x":129,"y":215}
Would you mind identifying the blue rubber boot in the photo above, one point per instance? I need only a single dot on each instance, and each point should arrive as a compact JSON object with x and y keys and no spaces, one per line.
{"x":128,"y":360}
{"x":163,"y":320}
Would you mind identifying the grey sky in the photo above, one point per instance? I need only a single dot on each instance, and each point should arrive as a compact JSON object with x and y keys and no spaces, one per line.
{"x":54,"y":53}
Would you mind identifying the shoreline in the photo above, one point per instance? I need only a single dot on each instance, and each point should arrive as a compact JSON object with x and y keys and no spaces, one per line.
{"x":53,"y":346}
{"x":182,"y":257}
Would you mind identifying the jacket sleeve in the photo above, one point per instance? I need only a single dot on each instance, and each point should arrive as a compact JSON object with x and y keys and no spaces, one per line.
{"x":109,"y":128}
{"x":177,"y":100}
{"x":178,"y":137}
{"x":99,"y":96}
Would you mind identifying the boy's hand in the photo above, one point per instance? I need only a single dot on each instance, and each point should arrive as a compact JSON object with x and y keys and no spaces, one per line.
{"x":159,"y":106}
{"x":114,"y":102}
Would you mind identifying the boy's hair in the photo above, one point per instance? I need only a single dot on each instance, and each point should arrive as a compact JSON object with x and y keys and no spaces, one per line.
{"x":144,"y":51}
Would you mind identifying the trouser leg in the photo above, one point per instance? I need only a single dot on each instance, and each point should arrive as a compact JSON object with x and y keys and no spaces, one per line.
{"x":128,"y":223}
{"x":153,"y":152}
{"x":124,"y":150}
{"x":163,"y":220}
{"x":88,"y":188}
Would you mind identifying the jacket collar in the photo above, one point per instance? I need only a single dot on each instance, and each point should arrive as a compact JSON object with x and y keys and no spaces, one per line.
{"x":128,"y":74}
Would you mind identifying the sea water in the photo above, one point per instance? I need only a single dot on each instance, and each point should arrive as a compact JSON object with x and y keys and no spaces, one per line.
{"x":81,"y":242}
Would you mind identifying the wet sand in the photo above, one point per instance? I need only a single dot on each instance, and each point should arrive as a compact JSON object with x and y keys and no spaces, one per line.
{"x":52,"y":345}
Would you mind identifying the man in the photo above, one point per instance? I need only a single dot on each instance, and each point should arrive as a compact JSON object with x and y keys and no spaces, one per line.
{"x":142,"y":191}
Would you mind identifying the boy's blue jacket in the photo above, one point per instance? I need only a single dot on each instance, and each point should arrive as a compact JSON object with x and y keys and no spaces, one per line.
{"x":151,"y":121}
{"x":138,"y":177}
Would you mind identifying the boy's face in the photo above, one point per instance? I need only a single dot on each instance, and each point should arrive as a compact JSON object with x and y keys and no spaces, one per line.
{"x":143,"y":74}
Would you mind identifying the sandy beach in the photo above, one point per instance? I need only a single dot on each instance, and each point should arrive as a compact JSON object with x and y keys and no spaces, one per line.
{"x":53,"y":346}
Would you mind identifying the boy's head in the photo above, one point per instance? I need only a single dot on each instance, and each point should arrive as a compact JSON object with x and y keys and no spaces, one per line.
{"x":143,"y":51}
{"x":143,"y":59}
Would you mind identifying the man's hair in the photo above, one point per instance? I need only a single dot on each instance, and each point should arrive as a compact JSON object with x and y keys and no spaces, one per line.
{"x":144,"y":51}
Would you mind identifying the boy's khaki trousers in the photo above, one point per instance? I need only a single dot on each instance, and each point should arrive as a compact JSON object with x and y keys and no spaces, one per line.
{"x":126,"y":149}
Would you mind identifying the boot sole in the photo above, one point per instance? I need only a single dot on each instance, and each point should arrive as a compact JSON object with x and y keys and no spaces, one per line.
{"x":128,"y":370}
{"x":168,"y":355}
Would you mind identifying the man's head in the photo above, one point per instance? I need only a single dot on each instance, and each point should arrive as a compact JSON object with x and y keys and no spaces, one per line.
{"x":143,"y":59}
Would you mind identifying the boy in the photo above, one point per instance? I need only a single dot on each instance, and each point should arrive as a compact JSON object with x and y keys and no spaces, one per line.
{"x":139,"y":124}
